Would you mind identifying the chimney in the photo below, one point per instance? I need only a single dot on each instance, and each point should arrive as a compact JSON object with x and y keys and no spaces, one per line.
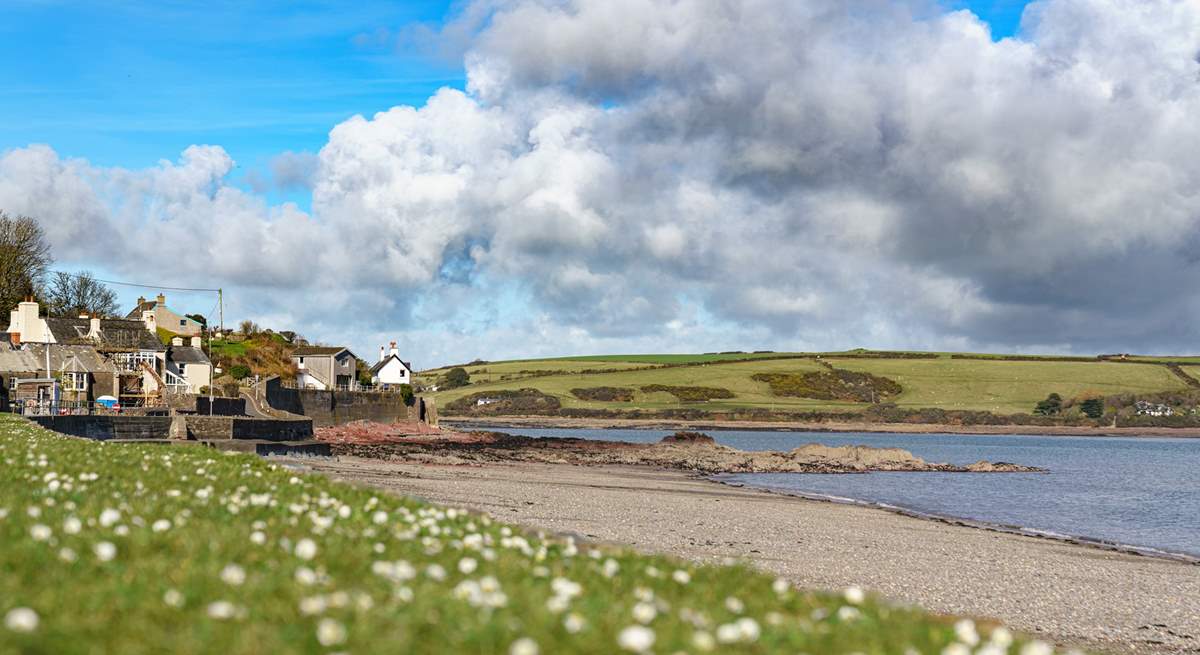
{"x":381,"y":353}
{"x":94,"y":328}
{"x":195,"y":342}
{"x":15,"y":338}
{"x":141,"y":301}
{"x":176,"y":341}
{"x":394,"y":350}
{"x":162,"y":300}
{"x":150,"y":321}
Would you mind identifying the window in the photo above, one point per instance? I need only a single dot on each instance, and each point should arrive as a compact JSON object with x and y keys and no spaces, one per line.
{"x":133,"y":361}
{"x":74,"y":381}
{"x":183,"y":322}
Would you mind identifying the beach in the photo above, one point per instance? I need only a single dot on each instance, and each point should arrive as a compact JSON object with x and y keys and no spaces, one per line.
{"x":1070,"y":594}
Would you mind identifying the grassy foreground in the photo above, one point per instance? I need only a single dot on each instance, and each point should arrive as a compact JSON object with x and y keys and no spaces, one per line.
{"x":982,"y":383}
{"x":135,"y":549}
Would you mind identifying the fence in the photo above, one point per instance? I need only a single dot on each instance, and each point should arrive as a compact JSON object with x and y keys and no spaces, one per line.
{"x":30,"y":407}
{"x":364,"y":388}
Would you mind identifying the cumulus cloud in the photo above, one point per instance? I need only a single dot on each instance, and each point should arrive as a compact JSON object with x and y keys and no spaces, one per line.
{"x":819,"y":174}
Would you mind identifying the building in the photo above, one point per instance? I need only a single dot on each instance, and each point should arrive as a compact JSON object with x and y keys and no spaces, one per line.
{"x":325,"y":367}
{"x":40,"y":377}
{"x":165,"y":317}
{"x":391,"y":370}
{"x":189,"y":363}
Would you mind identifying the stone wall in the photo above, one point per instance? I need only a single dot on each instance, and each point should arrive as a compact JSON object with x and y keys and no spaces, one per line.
{"x":221,"y":406}
{"x":328,"y":408}
{"x":212,"y":428}
{"x":104,"y":428}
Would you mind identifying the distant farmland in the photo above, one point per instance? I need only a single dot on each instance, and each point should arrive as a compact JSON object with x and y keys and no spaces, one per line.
{"x":1000,"y":384}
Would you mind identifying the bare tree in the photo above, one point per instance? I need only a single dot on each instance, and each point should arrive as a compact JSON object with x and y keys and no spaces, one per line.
{"x":24,"y":258}
{"x":73,"y":295}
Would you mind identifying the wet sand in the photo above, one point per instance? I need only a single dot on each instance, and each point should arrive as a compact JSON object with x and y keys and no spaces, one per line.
{"x":1069,"y":594}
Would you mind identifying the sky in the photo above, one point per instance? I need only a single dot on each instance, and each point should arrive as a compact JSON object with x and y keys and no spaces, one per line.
{"x":509,"y":178}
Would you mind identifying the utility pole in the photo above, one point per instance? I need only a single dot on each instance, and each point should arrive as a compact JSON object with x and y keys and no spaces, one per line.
{"x":221,"y":304}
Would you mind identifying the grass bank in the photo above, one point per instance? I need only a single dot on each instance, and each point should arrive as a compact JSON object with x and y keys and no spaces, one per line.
{"x":125,"y":548}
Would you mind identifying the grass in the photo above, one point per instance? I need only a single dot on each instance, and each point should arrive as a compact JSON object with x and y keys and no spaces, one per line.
{"x":128,"y":548}
{"x":985,"y":383}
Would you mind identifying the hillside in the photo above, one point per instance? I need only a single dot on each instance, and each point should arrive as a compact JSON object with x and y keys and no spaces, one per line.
{"x":842,"y":382}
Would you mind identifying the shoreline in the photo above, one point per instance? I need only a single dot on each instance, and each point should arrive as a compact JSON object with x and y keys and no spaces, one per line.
{"x":1021,"y":531}
{"x":543,"y":422}
{"x":1055,"y":588}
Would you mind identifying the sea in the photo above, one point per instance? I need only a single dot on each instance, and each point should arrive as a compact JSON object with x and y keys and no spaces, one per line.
{"x":1142,"y":493}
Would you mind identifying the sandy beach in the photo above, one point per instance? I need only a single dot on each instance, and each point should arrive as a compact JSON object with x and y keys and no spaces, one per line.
{"x":1072,"y":595}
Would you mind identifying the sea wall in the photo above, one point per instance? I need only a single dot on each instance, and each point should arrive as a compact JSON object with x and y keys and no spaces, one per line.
{"x":211,"y":428}
{"x":327,"y":408}
{"x":104,"y":428}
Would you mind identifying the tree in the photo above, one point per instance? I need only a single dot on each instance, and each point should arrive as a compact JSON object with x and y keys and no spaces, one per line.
{"x":1092,"y":407}
{"x":407,"y":395}
{"x":199,"y":318}
{"x":248,"y":328}
{"x":24,"y":258}
{"x":1050,"y":406}
{"x":456,"y":377}
{"x":73,"y":295}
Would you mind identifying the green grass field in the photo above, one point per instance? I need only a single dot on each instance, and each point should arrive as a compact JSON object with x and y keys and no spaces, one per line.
{"x":123,"y":548}
{"x":987,"y":383}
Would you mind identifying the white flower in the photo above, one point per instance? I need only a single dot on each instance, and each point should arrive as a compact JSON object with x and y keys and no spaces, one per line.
{"x":523,"y":646}
{"x":40,"y":532}
{"x":344,"y":511}
{"x":21,"y":619}
{"x":703,"y":641}
{"x":565,"y":587}
{"x":330,"y":632}
{"x":173,"y":598}
{"x":610,"y":567}
{"x":67,"y":555}
{"x":748,"y":628}
{"x":644,"y":613}
{"x":467,"y":566}
{"x":780,"y":586}
{"x":109,"y":517}
{"x":847,"y":613}
{"x":310,"y":605}
{"x":161,"y":525}
{"x":435,"y":572}
{"x":233,"y":575}
{"x":104,"y":551}
{"x":681,"y":576}
{"x":258,"y":538}
{"x":854,"y":595}
{"x":956,"y":649}
{"x":1037,"y":648}
{"x":306,"y":549}
{"x":734,"y":605}
{"x":636,"y":638}
{"x":573,"y":623}
{"x":305,"y":576}
{"x":1002,"y":637}
{"x":558,"y":604}
{"x":964,"y":631}
{"x":728,"y":633}
{"x":221,"y":610}
{"x":72,"y":525}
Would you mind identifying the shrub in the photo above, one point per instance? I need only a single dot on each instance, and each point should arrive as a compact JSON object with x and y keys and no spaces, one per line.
{"x":604,"y":394}
{"x":506,"y":401}
{"x":690,"y":394}
{"x":1092,"y":407}
{"x":1050,"y":406}
{"x":239,"y":371}
{"x":834,"y":384}
{"x":407,"y":395}
{"x":455,"y":378}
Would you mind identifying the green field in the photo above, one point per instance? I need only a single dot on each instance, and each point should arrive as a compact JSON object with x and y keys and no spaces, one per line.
{"x":980,"y":382}
{"x":123,"y":548}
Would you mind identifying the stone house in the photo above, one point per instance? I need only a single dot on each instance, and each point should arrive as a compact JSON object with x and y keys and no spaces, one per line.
{"x":390,"y":370}
{"x":165,"y":317}
{"x":325,"y":367}
{"x":40,"y":377}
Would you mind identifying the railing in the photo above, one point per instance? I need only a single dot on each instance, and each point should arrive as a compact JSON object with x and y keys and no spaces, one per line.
{"x":365,"y":388}
{"x":31,"y":407}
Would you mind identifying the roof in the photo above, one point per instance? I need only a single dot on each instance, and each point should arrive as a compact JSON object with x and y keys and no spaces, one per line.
{"x":187,"y":355}
{"x":316,"y":351}
{"x":144,"y":306}
{"x":31,"y":357}
{"x":383,"y":362}
{"x":115,"y":334}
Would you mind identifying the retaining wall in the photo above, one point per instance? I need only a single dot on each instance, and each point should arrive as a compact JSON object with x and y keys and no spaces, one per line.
{"x":104,"y":428}
{"x":237,"y":427}
{"x":328,"y":408}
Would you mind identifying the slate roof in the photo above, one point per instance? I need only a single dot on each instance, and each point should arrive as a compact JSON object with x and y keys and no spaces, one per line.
{"x":31,"y":358}
{"x":187,"y":355}
{"x":383,"y":362}
{"x":144,"y":306}
{"x":115,"y":334}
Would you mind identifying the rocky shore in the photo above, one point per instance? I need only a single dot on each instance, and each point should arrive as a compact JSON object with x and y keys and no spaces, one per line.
{"x":685,"y":451}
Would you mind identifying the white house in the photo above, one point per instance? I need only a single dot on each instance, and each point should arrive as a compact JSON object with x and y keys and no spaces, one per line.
{"x":391,"y":370}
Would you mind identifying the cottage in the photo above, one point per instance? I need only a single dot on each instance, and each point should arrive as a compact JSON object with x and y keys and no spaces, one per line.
{"x":189,"y":364}
{"x":38,"y":377}
{"x":165,"y":317}
{"x":391,"y":371}
{"x":1146,"y":408}
{"x":325,"y":367}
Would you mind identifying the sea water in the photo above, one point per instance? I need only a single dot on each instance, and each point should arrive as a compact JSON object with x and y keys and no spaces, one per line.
{"x":1142,"y":492}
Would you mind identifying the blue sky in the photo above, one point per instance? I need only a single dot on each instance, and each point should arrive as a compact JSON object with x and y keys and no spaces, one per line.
{"x":138,"y":81}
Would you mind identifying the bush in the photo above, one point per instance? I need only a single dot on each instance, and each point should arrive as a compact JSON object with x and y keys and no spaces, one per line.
{"x":834,"y":384}
{"x":690,"y":394}
{"x":604,"y":394}
{"x":1050,"y":406}
{"x":407,"y":395}
{"x":455,"y":378}
{"x":1092,"y":407}
{"x":239,"y":371}
{"x":506,"y":401}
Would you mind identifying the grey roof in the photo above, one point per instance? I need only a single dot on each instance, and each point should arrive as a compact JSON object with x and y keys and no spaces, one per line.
{"x":115,"y":334}
{"x":379,"y":366}
{"x":318,"y":351}
{"x":31,"y":357}
{"x":187,"y":355}
{"x":144,"y":306}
